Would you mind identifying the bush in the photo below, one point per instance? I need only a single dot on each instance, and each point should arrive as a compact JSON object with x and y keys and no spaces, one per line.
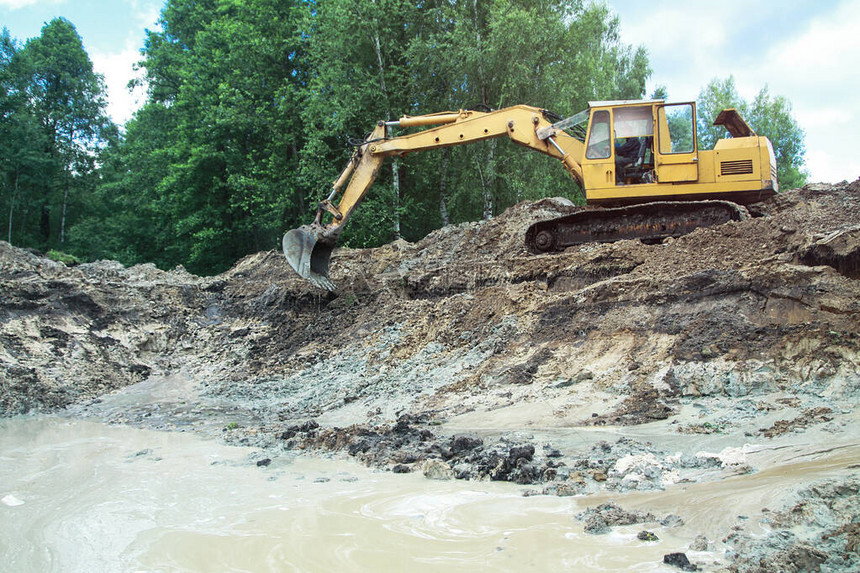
{"x":65,"y":258}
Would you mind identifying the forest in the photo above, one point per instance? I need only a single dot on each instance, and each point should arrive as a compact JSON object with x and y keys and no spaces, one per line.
{"x":253,"y":107}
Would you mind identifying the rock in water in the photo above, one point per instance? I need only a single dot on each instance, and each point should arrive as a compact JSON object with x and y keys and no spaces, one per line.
{"x":436,"y":469}
{"x":680,"y":561}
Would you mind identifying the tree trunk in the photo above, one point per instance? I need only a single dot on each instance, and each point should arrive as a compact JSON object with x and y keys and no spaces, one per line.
{"x":300,"y":196}
{"x":488,"y":182}
{"x":395,"y":170}
{"x":45,"y":223}
{"x":63,"y":215}
{"x":443,"y":207}
{"x":395,"y":163}
{"x":478,"y":42}
{"x":12,"y":207}
{"x":23,"y":214}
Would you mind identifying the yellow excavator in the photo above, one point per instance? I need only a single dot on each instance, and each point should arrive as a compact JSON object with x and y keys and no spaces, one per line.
{"x":638,"y":161}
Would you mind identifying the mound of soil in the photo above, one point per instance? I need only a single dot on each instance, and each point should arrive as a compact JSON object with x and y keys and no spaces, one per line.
{"x":464,"y":321}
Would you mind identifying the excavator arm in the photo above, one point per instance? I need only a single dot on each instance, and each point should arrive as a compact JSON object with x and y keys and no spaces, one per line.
{"x":308,"y":248}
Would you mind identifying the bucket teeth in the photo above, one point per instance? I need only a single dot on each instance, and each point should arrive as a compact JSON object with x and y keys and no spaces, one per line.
{"x":308,"y":253}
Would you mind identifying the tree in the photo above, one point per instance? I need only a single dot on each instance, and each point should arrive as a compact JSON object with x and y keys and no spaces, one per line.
{"x":130,"y":220}
{"x":768,"y":115}
{"x":360,"y":73}
{"x":26,"y":165}
{"x":211,"y":159}
{"x":772,"y":117}
{"x":55,"y":78}
{"x":553,"y":54}
{"x":254,"y":107}
{"x":715,"y":97}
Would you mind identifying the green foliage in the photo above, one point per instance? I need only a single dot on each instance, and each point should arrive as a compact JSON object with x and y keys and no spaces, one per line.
{"x":768,"y":115}
{"x":660,"y":92}
{"x":207,"y":170}
{"x":65,"y":258}
{"x":555,"y":54}
{"x":53,"y":127}
{"x":253,"y":109}
{"x":771,"y":116}
{"x":67,"y":95}
{"x":680,"y":121}
{"x":26,"y":165}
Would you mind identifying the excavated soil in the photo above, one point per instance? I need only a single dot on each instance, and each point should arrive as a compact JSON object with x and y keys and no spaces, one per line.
{"x":606,"y":368}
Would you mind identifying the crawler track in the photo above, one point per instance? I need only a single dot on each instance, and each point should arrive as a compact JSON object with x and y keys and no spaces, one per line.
{"x":648,"y":222}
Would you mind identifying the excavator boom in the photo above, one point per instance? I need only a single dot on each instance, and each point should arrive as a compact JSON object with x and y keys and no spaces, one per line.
{"x":308,"y":248}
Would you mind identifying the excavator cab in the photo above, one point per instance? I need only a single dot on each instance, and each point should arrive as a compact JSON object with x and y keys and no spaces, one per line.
{"x":637,"y":166}
{"x":670,"y":166}
{"x":630,"y":153}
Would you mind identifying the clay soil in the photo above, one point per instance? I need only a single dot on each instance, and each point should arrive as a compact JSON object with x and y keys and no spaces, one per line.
{"x":607,"y":368}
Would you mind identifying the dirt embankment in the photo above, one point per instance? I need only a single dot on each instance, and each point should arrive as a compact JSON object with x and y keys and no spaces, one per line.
{"x":464,"y":357}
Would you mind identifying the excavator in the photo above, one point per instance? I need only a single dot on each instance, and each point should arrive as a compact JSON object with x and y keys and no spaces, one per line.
{"x":636,"y":160}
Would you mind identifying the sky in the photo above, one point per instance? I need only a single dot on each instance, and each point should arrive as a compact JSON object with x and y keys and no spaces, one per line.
{"x":805,"y":50}
{"x":112,"y":31}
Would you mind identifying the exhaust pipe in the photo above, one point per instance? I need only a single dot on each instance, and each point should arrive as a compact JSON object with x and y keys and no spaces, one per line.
{"x":308,"y":251}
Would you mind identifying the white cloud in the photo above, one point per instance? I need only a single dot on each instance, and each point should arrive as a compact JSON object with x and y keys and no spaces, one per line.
{"x":688,"y":45}
{"x":844,"y":166}
{"x":18,"y":4}
{"x":665,"y":30}
{"x":117,"y":68}
{"x":818,"y":72}
{"x":825,"y":53}
{"x":145,"y":12}
{"x":819,"y":66}
{"x":806,"y":53}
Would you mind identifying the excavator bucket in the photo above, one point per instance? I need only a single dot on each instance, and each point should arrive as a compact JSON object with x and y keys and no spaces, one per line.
{"x":308,"y":252}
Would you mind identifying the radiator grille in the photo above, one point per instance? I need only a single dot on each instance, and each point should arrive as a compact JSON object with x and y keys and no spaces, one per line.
{"x":739,"y":167}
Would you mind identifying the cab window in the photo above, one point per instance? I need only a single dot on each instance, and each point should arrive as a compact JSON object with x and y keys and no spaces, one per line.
{"x":634,"y":122}
{"x":678,"y":120}
{"x":598,"y":139}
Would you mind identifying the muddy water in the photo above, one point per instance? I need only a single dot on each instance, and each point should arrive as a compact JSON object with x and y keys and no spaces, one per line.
{"x":85,"y":496}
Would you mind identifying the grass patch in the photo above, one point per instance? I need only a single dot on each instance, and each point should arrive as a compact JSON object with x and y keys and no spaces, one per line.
{"x":65,"y":258}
